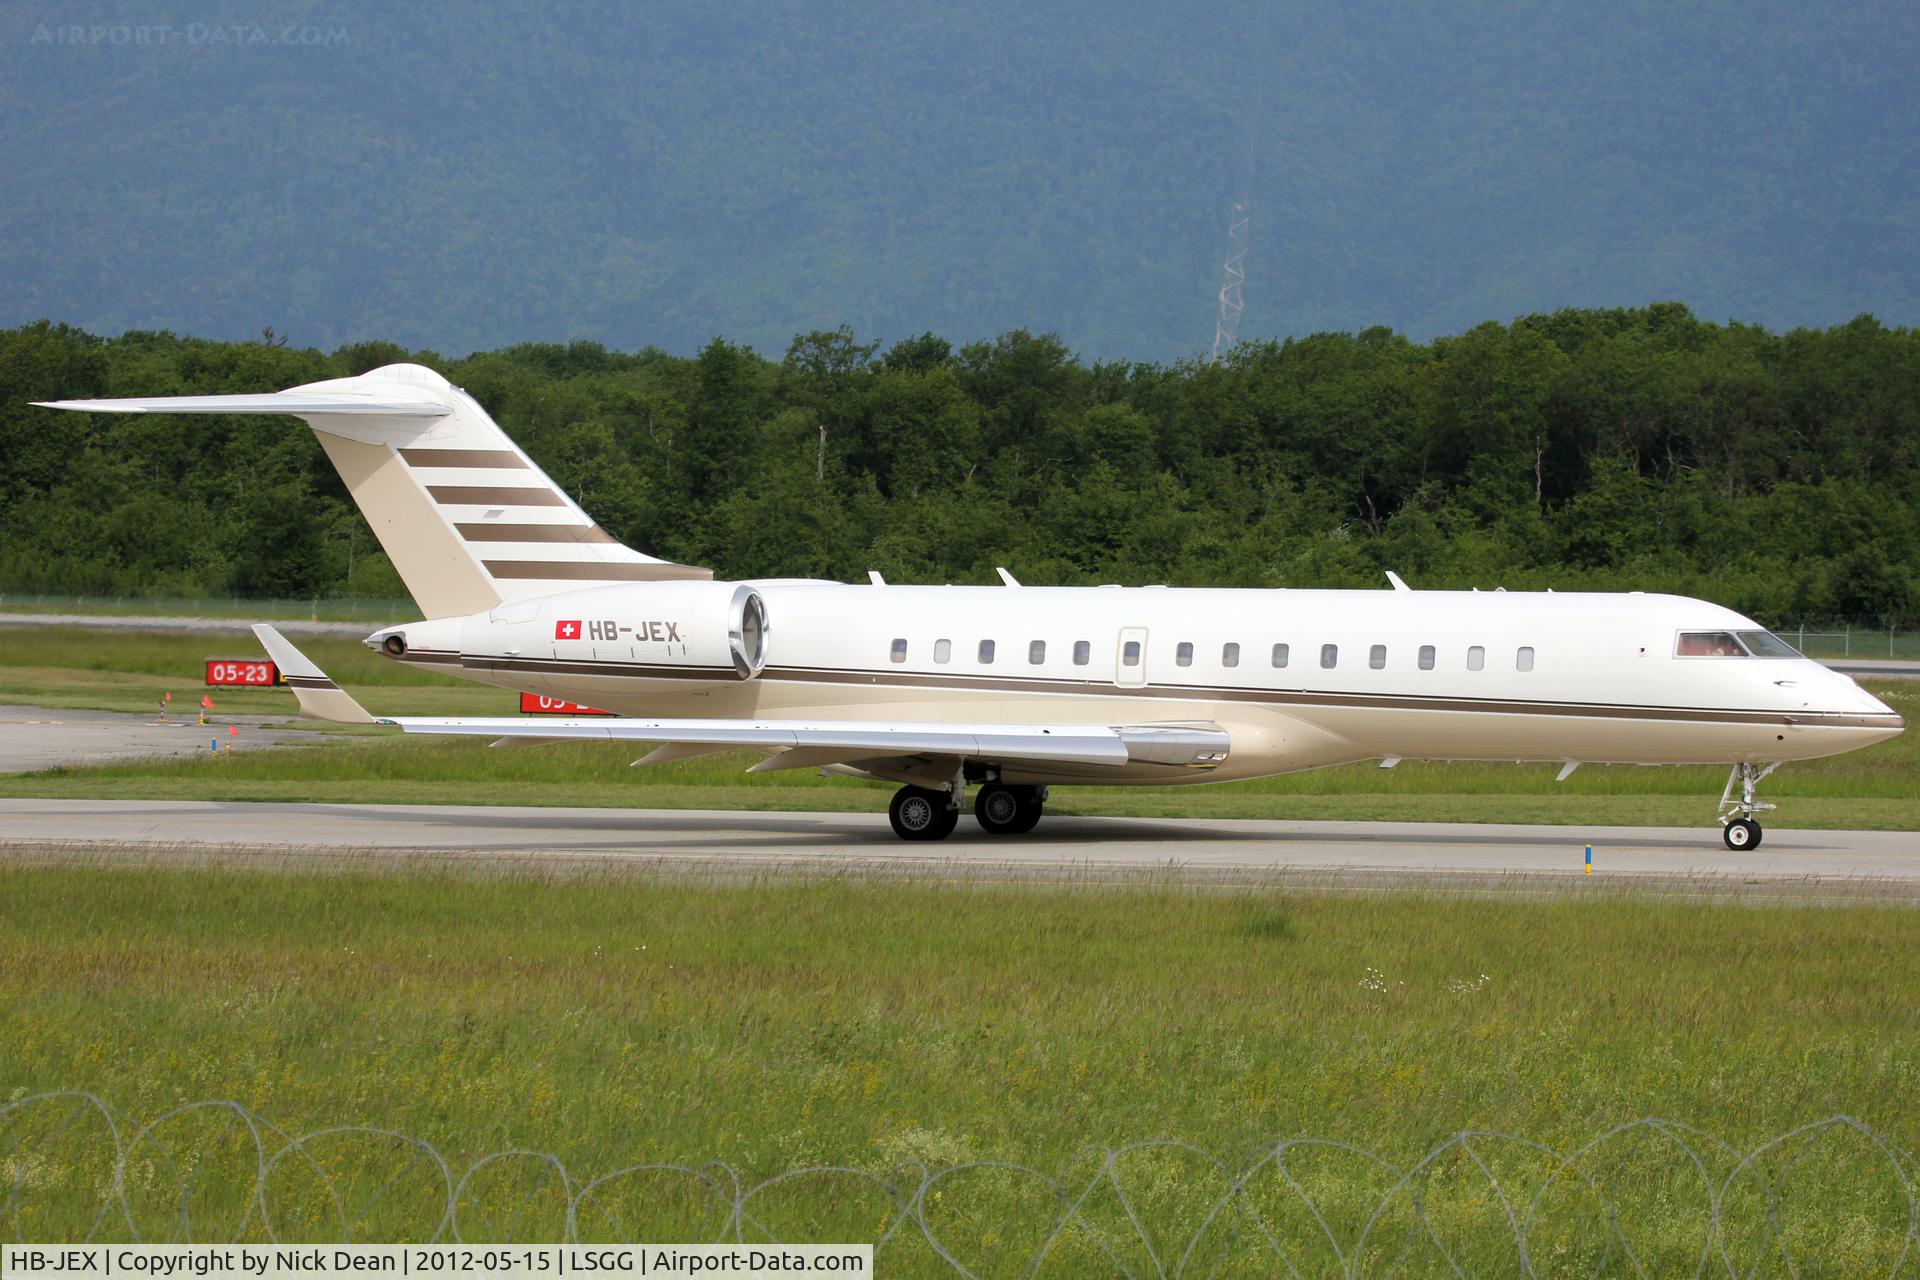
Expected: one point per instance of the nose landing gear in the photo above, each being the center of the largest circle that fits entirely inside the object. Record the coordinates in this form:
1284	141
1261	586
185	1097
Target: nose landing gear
1737	826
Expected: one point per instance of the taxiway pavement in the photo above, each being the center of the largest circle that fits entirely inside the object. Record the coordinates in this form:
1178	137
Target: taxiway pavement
1790	862
33	738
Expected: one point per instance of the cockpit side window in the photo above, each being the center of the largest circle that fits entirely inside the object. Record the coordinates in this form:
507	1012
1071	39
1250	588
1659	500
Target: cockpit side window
1708	644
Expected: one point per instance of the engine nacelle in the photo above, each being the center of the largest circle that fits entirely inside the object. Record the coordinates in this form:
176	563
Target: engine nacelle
702	626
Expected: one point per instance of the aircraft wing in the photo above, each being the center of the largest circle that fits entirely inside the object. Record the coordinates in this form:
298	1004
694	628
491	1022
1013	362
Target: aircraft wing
849	740
821	741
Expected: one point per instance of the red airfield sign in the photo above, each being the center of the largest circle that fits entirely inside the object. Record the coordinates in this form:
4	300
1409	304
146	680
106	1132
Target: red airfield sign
240	671
534	704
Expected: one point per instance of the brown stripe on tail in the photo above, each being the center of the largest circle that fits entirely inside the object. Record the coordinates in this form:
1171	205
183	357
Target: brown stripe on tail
594	571
587	533
500	459
492	496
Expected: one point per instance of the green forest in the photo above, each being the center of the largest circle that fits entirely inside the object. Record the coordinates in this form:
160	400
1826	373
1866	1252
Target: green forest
1601	449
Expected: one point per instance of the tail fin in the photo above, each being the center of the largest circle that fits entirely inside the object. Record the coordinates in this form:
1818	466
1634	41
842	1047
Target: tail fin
467	519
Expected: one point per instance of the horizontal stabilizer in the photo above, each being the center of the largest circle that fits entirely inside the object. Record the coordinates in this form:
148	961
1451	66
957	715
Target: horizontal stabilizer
319	697
275	402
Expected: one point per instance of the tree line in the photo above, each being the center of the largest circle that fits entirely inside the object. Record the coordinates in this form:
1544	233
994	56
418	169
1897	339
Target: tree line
1616	449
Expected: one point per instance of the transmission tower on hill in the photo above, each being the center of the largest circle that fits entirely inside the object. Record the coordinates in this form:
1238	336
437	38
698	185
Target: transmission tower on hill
1226	331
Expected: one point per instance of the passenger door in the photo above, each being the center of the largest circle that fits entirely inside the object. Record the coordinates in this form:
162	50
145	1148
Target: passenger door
1130	658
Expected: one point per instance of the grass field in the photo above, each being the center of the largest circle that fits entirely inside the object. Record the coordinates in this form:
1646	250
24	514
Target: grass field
614	1021
1878	788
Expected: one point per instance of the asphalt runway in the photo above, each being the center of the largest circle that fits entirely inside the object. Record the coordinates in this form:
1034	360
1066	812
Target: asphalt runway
1549	858
33	738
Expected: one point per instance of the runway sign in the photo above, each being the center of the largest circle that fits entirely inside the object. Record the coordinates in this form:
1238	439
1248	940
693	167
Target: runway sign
533	704
241	671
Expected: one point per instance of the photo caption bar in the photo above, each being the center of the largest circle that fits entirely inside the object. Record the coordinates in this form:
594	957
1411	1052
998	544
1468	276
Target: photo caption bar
428	1262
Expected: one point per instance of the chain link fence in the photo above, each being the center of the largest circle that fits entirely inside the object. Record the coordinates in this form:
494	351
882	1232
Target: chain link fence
1843	640
314	609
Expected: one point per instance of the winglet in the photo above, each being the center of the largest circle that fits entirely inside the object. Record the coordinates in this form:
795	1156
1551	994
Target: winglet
1398	583
1005	576
319	697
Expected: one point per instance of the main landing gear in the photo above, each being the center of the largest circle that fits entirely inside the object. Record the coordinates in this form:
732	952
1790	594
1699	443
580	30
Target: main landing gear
1008	811
931	813
1737	825
921	813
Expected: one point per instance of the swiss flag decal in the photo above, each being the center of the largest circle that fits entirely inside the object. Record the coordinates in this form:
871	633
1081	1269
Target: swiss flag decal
567	630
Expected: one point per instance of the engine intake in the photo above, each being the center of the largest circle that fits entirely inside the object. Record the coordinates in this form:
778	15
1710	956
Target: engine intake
747	632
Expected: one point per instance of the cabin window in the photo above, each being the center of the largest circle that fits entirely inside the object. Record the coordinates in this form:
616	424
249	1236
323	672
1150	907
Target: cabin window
942	650
1329	656
1279	655
1183	654
986	653
899	653
1524	659
1037	652
1130	654
1426	657
1377	657
1229	655
1082	653
1476	657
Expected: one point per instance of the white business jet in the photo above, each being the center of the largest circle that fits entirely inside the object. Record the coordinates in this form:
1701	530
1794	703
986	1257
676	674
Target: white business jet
1011	689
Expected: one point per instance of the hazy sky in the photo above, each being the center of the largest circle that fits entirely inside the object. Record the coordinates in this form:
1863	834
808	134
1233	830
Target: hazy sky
665	174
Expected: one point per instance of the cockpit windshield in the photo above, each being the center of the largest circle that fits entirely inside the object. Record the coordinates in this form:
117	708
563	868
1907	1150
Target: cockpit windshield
1765	644
1733	644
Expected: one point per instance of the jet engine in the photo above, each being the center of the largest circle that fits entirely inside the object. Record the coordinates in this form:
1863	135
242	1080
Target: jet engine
702	626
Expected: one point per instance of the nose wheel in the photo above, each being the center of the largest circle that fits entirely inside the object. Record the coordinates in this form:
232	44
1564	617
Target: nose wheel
1738	829
920	813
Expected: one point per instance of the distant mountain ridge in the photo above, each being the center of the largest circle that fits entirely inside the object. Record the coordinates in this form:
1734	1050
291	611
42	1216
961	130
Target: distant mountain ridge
659	175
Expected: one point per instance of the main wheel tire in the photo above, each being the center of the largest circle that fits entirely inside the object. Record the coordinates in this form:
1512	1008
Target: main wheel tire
998	809
1029	815
918	813
1741	835
1006	811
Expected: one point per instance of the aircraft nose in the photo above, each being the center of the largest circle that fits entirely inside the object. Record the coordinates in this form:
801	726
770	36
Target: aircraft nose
1881	720
1895	721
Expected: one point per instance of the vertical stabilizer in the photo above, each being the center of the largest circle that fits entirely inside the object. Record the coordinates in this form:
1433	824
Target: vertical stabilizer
466	517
